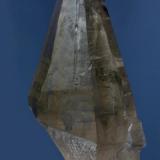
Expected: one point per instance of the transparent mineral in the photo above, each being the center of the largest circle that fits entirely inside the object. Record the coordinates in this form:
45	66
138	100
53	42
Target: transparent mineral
80	92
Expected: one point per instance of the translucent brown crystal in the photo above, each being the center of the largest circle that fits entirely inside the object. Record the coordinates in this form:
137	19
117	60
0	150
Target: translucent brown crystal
80	92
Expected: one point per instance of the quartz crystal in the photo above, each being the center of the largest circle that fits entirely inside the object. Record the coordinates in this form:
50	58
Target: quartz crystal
80	92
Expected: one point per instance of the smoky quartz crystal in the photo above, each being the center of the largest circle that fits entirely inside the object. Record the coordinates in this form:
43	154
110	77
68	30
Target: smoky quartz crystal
80	92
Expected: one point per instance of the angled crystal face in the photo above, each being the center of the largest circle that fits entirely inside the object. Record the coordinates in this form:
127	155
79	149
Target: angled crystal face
73	147
80	92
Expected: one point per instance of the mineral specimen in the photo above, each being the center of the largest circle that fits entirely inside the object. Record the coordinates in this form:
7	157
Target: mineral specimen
80	92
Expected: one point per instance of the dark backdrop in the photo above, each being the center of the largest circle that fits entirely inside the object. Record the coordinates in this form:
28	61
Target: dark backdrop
23	26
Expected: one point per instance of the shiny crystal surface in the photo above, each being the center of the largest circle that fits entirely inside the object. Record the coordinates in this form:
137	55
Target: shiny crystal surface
80	92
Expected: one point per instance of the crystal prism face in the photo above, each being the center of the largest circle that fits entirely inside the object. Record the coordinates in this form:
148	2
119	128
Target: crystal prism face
80	92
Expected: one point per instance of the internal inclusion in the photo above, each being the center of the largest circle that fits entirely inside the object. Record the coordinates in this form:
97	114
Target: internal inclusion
80	92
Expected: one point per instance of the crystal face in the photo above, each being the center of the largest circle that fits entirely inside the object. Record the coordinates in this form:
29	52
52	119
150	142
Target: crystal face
80	92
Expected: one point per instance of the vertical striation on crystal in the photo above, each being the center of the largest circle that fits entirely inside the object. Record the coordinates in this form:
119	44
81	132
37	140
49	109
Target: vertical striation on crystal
80	92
